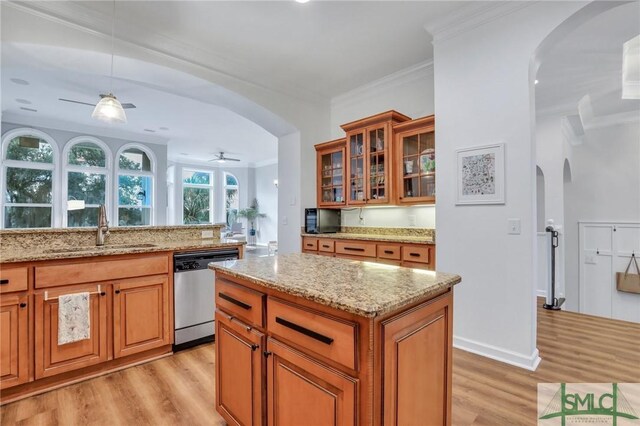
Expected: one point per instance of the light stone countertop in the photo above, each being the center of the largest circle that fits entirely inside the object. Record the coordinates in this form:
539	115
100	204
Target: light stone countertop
407	239
362	288
36	253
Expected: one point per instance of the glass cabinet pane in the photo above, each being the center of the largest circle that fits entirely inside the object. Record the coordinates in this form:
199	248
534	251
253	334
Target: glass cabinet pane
356	167
377	164
331	177
418	165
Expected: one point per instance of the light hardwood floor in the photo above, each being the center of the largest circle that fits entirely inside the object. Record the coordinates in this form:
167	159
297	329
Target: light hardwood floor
179	390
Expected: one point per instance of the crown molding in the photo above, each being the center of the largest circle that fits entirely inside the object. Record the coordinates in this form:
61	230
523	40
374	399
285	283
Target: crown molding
76	16
403	76
472	16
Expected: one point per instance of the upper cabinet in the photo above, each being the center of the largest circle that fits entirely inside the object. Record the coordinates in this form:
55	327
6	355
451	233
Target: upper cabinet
331	173
415	161
387	158
369	158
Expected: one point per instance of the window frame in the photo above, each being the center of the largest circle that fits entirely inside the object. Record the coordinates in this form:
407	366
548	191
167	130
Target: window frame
54	167
66	168
210	187
225	187
123	172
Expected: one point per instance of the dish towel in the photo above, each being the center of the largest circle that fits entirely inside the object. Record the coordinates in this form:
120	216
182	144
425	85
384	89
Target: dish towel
73	318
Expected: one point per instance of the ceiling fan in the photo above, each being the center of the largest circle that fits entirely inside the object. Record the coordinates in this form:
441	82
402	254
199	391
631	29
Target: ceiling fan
220	158
102	95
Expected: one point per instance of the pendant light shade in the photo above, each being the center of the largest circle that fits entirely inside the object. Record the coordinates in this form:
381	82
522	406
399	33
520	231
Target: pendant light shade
109	110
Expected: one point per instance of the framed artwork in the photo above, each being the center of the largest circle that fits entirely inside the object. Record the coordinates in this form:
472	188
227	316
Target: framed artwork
480	175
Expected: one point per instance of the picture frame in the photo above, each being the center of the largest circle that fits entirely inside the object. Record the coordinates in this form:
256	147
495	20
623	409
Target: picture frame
480	175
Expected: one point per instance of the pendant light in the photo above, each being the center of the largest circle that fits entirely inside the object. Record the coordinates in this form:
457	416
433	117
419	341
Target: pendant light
109	109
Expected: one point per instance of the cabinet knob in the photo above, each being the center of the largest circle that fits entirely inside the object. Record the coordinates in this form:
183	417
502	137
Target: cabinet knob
254	347
23	305
267	354
102	293
117	291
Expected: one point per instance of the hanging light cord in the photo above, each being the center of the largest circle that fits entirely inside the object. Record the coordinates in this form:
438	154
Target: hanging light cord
113	24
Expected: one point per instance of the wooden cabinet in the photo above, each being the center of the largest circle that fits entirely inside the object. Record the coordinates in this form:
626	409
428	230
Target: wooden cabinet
14	340
417	361
331	173
301	391
13	279
140	315
369	158
240	371
53	358
415	161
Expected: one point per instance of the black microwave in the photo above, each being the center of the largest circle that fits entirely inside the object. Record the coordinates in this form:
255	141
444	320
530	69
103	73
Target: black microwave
321	221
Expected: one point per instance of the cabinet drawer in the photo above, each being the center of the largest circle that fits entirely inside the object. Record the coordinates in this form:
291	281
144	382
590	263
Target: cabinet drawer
13	279
386	251
326	245
309	243
240	301
104	270
330	337
416	254
356	248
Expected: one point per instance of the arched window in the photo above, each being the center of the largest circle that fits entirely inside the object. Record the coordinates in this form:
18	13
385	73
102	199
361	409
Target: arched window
231	198
29	159
136	172
87	163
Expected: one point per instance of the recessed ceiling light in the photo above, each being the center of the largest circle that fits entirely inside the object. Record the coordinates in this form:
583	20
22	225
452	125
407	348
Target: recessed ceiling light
20	81
28	109
536	82
149	130
163	128
302	1
23	101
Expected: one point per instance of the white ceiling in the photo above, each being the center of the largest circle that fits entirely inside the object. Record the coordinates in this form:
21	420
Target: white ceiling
589	62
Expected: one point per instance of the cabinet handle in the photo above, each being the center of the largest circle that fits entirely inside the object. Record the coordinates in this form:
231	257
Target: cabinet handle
325	246
414	254
234	301
388	252
300	329
354	248
309	245
5	281
23	305
117	291
102	293
254	347
266	354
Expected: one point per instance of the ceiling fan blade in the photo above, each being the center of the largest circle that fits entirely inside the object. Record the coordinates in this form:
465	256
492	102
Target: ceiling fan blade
128	106
231	159
76	102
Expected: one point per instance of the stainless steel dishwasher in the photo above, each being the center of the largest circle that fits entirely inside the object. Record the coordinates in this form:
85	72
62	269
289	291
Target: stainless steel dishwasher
194	295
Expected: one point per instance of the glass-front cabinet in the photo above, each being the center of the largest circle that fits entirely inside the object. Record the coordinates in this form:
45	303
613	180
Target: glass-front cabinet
369	158
416	161
331	174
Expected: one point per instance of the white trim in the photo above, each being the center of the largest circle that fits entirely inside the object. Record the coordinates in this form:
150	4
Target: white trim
541	293
528	362
66	168
54	167
152	174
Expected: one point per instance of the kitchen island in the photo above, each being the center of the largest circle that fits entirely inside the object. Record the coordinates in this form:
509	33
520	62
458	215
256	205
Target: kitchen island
313	340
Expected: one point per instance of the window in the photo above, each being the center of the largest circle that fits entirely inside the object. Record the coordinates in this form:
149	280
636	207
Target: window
135	186
231	198
28	170
87	162
197	197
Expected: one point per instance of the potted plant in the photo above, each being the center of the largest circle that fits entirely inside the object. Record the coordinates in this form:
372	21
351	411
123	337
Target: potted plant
251	213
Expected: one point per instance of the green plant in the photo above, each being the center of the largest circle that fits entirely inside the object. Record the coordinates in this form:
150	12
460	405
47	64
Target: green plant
251	213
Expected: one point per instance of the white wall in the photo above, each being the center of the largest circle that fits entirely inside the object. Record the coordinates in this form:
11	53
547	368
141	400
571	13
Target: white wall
267	195
484	94
605	186
401	217
62	137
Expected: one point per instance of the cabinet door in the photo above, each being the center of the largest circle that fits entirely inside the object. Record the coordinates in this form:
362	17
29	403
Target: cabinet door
356	163
378	163
240	375
14	341
140	315
52	358
417	365
416	166
302	391
331	178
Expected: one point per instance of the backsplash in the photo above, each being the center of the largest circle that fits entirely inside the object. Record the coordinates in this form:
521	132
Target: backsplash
385	217
25	239
428	233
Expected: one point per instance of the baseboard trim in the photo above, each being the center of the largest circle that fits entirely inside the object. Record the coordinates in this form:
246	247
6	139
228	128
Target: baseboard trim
498	354
541	293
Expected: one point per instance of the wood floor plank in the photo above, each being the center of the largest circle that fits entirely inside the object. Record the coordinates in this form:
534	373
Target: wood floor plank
180	390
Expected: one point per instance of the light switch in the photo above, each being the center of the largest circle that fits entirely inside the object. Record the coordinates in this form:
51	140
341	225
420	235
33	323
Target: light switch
514	226
292	200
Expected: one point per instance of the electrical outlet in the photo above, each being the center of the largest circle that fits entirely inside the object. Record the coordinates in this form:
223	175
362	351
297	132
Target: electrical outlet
514	226
412	220
207	234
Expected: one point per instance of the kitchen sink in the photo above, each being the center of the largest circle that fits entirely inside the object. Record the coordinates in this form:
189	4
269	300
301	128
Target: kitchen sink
99	248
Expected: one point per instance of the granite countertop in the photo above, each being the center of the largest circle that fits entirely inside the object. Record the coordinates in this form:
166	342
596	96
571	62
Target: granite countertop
362	288
12	256
409	239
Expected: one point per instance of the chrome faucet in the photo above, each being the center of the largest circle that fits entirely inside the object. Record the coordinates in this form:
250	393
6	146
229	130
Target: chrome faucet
103	226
